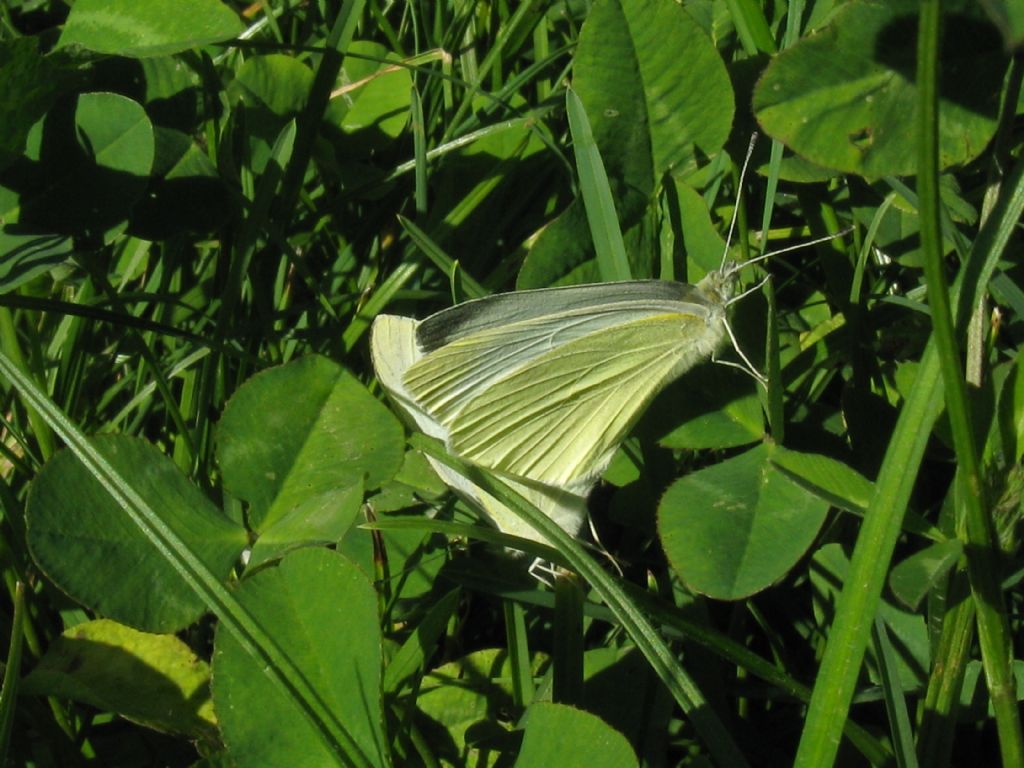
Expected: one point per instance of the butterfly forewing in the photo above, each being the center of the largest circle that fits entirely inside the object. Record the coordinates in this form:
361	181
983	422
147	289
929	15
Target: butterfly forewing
503	309
448	378
558	420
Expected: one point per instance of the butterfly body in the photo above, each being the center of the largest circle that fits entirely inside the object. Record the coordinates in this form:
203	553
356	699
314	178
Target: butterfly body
542	386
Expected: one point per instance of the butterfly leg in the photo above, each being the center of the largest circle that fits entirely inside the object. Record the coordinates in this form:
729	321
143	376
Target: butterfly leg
747	367
543	571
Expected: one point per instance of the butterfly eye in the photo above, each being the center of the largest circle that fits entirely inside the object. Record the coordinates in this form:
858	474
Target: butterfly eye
729	283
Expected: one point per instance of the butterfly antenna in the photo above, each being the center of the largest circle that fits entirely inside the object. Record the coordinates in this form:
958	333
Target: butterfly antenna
798	246
740	265
765	256
736	209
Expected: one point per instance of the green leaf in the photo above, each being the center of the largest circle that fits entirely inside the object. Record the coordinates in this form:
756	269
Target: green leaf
704	245
912	579
828	573
709	407
838	484
269	91
655	88
414	553
570	738
563	253
634	621
299	458
156	680
234	618
621	688
372	98
612	263
12	682
895	700
414	483
1008	16
975	703
321	520
736	527
844	96
1009	423
658	98
275	82
466	694
496	184
173	96
85	165
83	541
141	28
410	660
322	611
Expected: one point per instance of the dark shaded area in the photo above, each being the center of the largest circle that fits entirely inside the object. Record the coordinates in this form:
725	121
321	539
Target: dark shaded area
65	191
971	56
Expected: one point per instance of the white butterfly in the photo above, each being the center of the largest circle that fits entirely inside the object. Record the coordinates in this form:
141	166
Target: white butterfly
540	387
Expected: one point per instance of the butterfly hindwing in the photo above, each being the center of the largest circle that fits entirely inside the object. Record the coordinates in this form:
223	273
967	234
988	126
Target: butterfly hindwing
393	349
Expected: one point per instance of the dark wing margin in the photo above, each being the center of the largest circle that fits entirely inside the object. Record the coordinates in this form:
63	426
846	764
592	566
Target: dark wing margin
502	309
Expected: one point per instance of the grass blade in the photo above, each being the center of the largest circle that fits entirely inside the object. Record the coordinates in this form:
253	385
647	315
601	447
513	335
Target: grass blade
837	675
215	595
612	262
895	703
982	548
12	671
717	738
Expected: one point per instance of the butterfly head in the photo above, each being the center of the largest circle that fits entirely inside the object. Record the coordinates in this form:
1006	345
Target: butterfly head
720	284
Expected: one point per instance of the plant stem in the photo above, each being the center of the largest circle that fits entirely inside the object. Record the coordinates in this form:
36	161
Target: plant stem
982	553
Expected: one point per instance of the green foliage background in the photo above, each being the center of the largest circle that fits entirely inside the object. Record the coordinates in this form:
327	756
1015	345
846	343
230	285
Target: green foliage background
219	546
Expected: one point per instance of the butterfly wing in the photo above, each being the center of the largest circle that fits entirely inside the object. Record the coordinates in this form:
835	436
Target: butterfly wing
504	309
393	350
558	419
541	386
481	348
